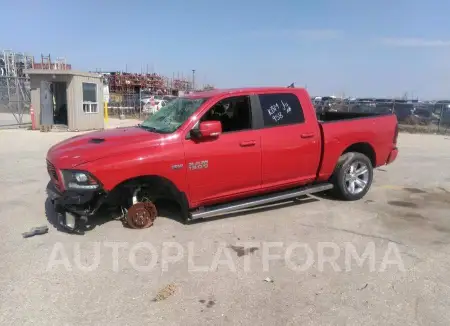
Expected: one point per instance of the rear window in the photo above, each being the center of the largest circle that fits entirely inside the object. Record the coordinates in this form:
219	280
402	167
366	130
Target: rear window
281	109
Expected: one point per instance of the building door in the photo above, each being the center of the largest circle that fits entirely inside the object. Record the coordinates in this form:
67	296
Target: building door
46	104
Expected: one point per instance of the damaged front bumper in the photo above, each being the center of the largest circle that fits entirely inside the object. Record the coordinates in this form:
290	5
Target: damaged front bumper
74	207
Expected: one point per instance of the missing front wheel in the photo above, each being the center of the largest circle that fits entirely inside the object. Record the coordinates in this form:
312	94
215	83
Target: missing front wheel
141	215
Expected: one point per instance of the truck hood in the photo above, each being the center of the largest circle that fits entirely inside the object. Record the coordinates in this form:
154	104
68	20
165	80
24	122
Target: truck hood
98	144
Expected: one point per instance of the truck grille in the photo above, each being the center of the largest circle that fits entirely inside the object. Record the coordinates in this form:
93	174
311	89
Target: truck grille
52	171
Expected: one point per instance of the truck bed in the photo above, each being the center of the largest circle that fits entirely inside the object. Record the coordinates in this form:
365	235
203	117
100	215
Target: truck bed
353	131
337	116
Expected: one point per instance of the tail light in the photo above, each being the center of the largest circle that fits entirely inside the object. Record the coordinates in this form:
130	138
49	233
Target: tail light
396	134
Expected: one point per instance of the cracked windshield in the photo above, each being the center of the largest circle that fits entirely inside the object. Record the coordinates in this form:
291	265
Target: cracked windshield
170	117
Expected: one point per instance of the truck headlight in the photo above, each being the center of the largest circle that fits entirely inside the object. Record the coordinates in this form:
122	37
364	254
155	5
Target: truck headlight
79	180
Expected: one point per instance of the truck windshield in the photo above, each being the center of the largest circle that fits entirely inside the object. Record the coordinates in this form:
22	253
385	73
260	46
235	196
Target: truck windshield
171	116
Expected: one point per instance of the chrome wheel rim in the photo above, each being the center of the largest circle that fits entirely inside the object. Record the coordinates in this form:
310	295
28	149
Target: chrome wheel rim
356	177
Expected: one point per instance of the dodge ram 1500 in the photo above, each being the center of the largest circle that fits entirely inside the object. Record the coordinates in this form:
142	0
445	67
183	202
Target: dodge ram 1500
219	151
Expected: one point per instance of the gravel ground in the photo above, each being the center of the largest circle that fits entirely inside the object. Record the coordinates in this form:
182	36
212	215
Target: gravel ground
197	274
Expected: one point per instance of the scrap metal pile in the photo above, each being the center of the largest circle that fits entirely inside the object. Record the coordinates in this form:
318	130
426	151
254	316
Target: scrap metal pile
126	83
130	83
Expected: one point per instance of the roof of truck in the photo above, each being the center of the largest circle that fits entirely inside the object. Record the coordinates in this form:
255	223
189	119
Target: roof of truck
216	92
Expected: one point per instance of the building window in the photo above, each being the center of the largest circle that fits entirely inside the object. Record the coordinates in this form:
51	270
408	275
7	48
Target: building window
90	104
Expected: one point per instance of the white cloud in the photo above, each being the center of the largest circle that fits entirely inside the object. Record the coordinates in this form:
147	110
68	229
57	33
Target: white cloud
300	34
414	42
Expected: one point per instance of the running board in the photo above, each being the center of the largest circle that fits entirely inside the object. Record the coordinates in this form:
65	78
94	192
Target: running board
259	200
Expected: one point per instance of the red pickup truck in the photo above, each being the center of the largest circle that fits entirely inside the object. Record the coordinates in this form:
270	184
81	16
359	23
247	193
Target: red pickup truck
219	151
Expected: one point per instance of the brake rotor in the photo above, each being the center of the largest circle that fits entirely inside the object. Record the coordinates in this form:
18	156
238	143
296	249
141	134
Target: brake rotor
141	215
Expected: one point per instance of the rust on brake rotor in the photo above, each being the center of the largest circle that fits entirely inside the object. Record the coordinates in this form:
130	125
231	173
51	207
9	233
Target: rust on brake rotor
141	215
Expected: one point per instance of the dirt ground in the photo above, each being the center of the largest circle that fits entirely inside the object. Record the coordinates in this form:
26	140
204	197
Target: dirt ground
197	274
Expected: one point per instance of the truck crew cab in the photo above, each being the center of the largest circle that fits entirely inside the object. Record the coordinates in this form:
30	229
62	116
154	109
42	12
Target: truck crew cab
219	151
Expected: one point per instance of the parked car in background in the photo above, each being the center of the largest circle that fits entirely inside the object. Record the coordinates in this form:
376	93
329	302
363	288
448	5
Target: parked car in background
442	111
362	105
324	104
169	98
148	98
403	110
423	113
153	106
368	101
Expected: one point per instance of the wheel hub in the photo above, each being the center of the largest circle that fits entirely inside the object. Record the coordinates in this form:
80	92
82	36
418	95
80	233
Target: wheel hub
141	215
356	177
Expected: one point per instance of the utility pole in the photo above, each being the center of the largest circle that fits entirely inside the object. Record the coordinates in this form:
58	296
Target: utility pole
193	79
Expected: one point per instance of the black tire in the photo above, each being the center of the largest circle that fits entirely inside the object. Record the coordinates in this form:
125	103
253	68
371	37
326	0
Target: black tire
341	189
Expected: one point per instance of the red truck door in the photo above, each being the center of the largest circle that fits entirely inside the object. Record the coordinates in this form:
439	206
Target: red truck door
290	140
229	165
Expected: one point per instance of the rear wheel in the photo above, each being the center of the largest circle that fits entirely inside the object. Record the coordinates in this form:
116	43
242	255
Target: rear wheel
353	176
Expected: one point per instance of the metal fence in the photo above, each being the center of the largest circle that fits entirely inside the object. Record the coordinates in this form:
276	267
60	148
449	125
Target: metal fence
420	117
14	101
125	106
414	117
132	106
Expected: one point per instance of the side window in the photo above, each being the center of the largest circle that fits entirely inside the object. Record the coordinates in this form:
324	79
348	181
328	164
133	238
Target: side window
281	109
90	104
234	113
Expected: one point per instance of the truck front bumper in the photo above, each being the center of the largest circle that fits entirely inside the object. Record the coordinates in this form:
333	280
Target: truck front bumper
74	206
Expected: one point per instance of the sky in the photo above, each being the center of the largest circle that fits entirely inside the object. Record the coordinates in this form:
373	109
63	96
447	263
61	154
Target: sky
346	47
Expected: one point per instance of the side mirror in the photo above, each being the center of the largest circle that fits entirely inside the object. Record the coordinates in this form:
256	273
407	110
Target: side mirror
208	129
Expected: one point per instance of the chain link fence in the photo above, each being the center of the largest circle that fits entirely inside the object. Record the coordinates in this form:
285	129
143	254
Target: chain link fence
14	101
412	117
135	106
124	106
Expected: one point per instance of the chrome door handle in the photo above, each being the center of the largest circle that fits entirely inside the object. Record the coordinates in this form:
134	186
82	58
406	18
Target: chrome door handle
248	143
